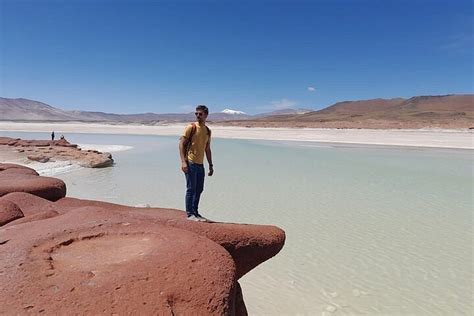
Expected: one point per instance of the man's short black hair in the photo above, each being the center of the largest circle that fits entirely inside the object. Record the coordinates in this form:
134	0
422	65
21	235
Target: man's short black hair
203	108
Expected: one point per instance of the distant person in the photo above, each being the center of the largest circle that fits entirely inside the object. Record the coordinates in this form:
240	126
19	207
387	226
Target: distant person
195	141
52	135
62	137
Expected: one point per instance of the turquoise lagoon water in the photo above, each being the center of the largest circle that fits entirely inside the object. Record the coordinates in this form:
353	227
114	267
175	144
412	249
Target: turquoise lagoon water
370	230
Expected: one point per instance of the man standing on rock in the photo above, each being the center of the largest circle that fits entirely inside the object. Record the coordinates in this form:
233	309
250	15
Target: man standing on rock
195	141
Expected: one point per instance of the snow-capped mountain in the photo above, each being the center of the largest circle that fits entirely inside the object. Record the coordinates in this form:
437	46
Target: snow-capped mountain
228	115
233	112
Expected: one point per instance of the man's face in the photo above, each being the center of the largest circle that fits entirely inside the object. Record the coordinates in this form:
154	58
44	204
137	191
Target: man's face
200	116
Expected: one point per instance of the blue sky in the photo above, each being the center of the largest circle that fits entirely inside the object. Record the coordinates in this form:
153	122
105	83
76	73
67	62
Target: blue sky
254	56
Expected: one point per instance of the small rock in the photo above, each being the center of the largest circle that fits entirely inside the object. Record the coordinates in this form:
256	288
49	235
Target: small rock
38	158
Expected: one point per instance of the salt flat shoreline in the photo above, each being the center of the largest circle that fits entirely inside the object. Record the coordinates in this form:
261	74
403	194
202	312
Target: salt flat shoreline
434	138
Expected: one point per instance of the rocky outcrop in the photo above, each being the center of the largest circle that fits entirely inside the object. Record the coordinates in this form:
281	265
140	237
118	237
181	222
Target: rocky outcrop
71	255
44	151
16	178
9	211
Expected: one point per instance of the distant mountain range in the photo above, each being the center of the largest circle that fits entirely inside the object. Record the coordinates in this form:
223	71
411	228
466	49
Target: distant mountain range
284	112
30	110
447	111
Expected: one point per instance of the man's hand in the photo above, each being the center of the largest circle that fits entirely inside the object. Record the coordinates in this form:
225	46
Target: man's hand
184	167
211	171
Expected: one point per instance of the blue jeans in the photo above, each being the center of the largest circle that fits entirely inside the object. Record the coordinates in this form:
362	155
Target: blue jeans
194	187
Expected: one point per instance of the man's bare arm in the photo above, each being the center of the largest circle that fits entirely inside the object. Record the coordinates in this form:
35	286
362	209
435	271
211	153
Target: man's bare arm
182	154
209	159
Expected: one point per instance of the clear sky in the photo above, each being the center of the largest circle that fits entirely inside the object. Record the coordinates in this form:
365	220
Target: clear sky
254	56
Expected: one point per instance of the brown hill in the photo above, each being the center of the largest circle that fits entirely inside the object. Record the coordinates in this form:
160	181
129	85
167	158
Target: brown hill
440	103
31	110
448	111
362	106
24	109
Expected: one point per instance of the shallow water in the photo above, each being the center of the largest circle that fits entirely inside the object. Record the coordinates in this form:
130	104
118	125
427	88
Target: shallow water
370	230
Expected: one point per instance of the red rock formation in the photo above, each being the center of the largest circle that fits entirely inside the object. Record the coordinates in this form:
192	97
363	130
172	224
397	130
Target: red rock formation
90	257
7	166
26	181
46	150
9	211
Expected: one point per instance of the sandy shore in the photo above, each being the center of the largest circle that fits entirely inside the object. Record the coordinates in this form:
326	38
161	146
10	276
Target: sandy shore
462	139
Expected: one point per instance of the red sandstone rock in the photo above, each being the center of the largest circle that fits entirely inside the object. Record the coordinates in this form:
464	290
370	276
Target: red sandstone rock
9	211
91	257
30	143
19	171
7	140
30	204
45	214
6	166
39	158
48	188
249	245
45	150
64	143
90	262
